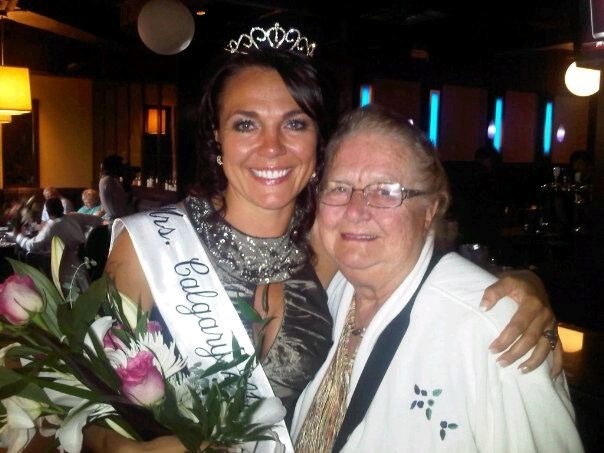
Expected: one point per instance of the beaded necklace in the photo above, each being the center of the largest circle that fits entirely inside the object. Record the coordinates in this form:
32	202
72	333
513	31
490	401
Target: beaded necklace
323	421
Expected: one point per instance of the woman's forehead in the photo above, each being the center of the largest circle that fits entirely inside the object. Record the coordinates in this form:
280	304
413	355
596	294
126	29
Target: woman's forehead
371	152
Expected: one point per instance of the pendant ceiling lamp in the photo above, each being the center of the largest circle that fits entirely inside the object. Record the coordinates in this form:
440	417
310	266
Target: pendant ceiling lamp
15	91
582	81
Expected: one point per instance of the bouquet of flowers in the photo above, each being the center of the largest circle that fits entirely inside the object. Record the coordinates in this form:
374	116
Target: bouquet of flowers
68	360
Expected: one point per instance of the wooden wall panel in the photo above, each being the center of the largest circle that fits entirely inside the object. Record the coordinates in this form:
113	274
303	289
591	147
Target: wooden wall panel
520	113
399	95
572	112
463	122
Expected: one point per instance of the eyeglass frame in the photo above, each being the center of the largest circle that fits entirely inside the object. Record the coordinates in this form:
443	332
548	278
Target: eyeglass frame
406	193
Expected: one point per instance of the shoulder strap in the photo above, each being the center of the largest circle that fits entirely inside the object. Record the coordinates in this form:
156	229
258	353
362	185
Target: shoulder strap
377	364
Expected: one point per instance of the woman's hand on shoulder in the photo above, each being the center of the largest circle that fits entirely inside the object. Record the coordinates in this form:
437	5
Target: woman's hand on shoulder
525	329
124	268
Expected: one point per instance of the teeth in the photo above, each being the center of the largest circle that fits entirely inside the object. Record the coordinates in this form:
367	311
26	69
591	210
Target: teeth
270	174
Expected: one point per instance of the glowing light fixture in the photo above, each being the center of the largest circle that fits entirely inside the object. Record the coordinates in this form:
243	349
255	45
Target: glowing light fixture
154	122
572	340
366	95
547	128
15	92
491	130
560	133
582	81
434	107
498	122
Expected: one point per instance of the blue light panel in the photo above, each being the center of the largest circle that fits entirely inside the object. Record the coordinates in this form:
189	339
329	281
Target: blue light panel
365	95
434	106
547	128
498	124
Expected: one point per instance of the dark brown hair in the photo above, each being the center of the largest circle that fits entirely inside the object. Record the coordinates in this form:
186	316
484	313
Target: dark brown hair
303	83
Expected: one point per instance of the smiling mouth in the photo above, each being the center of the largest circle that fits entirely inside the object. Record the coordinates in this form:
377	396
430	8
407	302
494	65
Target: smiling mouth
271	174
358	237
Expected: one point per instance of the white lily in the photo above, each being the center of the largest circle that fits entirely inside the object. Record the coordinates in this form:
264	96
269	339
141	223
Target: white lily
130	309
269	411
57	248
70	432
99	327
20	426
60	398
183	397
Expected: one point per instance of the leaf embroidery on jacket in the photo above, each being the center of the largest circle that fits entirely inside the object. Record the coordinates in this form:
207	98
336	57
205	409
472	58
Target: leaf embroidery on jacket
427	402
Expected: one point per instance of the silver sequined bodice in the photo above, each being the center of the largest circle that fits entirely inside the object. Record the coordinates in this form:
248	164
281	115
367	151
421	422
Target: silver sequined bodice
252	259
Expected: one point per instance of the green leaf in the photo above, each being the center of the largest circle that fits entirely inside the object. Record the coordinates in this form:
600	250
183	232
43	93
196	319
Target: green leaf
85	309
452	426
246	311
223	365
8	376
429	413
436	392
23	351
170	416
34	392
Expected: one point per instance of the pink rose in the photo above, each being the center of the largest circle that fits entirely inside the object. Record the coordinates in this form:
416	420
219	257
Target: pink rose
19	299
142	382
112	341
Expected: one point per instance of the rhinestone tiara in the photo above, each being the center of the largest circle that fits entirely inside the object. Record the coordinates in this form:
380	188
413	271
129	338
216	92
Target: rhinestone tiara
275	37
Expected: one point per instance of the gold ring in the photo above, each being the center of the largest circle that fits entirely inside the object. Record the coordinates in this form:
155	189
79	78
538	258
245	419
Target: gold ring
551	335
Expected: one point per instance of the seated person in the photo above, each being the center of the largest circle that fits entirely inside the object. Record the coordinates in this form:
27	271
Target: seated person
66	228
52	192
91	203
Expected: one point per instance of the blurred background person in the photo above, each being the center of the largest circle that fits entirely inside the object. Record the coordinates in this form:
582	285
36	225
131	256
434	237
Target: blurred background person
115	200
91	203
52	192
58	224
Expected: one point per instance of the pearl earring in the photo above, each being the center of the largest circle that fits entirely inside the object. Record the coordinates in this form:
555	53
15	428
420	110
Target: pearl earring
219	160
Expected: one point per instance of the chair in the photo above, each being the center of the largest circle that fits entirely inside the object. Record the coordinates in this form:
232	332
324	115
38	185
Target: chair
96	248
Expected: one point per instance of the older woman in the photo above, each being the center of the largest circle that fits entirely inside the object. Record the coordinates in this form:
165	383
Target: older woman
409	369
91	203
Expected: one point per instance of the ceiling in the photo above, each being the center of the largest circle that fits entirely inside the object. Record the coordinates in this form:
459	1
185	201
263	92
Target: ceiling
442	31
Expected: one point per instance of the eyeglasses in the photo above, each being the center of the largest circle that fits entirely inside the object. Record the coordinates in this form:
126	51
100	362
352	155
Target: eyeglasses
379	195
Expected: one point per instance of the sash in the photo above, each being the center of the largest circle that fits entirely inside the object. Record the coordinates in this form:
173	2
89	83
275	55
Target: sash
190	297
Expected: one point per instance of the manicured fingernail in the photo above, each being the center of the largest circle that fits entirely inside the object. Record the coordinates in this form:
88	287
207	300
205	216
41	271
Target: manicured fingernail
525	369
483	305
503	363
